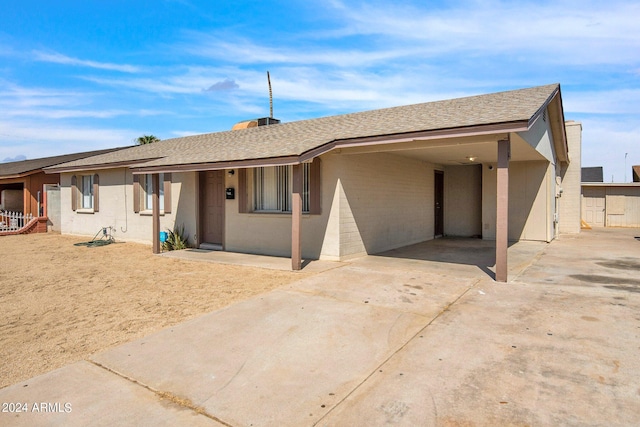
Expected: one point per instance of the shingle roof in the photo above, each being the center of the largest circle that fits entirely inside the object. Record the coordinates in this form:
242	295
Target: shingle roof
296	138
24	167
591	174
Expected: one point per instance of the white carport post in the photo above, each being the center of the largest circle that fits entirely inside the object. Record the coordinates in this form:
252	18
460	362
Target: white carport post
155	201
502	209
296	218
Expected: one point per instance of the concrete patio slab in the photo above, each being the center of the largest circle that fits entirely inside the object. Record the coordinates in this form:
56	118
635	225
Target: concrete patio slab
510	355
83	394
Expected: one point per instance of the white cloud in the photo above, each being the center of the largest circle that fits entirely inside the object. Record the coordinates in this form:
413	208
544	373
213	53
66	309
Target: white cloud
59	58
37	139
605	142
562	32
616	101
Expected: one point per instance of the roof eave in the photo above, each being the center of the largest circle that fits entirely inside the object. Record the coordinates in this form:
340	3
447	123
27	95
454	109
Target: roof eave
499	129
21	174
554	106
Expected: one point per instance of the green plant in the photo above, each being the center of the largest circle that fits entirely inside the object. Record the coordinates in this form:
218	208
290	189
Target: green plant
176	239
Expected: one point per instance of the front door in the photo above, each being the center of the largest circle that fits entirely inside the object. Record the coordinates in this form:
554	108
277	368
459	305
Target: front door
439	204
212	198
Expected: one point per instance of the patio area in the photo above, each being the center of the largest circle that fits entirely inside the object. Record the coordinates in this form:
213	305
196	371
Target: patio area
465	257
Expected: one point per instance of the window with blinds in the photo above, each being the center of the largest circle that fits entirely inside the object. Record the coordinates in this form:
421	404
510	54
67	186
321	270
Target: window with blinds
272	188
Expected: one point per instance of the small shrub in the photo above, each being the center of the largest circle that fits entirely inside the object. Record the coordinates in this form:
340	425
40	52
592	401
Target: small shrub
176	239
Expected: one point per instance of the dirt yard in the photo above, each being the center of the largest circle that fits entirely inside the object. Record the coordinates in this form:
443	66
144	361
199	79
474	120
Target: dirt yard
60	303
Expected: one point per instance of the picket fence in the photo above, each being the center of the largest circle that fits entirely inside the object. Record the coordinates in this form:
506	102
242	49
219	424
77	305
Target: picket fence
13	221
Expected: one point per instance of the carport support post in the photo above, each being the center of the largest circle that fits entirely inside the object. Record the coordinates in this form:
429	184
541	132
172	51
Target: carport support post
296	218
502	209
155	201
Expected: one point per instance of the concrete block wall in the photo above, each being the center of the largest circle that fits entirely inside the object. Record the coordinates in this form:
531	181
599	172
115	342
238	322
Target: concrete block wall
529	205
385	202
570	174
270	233
463	200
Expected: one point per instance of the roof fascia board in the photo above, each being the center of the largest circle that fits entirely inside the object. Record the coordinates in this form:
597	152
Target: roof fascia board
114	165
21	175
558	127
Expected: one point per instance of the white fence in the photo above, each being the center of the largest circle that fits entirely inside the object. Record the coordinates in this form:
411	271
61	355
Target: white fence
13	221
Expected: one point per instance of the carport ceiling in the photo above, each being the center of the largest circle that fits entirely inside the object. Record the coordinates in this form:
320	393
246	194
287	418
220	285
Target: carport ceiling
453	151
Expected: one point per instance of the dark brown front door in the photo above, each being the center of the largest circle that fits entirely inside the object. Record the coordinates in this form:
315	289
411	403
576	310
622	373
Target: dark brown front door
439	204
212	198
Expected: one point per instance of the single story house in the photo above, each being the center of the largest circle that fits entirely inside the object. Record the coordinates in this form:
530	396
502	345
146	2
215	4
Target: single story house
22	183
495	166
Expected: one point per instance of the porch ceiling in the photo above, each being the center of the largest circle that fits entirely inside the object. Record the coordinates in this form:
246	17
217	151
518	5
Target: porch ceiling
454	151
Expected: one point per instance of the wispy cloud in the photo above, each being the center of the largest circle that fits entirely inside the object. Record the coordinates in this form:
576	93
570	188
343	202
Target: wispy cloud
59	58
40	139
583	33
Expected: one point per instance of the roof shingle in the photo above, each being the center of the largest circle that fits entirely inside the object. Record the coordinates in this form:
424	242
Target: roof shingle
296	138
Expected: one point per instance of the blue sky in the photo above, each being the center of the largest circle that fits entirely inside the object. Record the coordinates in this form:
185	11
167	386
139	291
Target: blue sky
83	75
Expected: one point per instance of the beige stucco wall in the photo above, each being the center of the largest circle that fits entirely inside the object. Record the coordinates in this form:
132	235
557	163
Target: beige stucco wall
569	202
370	203
463	200
379	201
618	205
116	207
530	204
270	233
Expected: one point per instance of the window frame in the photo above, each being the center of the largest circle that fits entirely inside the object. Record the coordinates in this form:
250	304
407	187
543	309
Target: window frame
143	192
85	193
279	190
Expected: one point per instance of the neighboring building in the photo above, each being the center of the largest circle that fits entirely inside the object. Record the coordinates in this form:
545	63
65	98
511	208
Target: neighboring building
495	166
636	173
23	184
611	204
592	174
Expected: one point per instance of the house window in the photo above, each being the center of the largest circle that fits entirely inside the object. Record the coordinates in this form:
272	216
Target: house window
86	190
84	193
143	193
272	188
148	192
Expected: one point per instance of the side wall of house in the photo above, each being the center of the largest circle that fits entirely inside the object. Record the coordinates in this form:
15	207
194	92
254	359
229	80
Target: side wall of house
570	201
530	203
463	200
116	207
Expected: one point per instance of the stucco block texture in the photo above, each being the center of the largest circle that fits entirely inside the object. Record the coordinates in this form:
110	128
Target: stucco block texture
569	203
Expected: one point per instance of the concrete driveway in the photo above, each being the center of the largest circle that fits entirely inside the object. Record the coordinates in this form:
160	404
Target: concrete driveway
384	340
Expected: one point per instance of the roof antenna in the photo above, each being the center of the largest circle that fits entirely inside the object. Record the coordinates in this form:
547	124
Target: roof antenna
270	97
